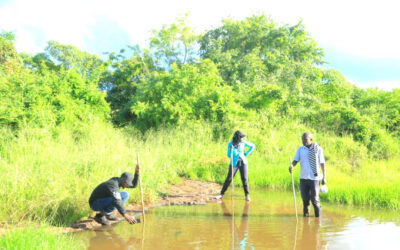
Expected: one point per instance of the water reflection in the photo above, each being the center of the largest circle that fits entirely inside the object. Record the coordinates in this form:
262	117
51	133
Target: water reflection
240	235
310	234
270	223
106	238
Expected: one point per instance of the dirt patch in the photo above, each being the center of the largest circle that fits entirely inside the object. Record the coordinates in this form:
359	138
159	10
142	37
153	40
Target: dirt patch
189	192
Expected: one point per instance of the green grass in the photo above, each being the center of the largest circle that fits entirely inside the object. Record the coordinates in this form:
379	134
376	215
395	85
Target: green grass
40	238
48	175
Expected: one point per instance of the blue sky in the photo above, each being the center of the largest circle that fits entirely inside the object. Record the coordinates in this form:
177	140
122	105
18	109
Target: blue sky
360	38
383	73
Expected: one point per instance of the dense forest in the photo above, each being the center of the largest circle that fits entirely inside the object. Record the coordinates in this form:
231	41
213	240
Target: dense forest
240	69
71	116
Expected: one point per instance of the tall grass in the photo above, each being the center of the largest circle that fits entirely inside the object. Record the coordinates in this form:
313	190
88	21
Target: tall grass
49	176
39	237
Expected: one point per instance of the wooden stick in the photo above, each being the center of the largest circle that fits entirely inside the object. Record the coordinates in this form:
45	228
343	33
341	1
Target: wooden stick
233	204
142	241
295	236
232	168
140	186
294	193
233	224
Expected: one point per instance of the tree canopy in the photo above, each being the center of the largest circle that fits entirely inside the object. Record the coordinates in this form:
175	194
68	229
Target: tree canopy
231	72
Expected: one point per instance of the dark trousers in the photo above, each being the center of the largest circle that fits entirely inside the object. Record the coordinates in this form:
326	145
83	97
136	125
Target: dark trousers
310	191
243	174
106	205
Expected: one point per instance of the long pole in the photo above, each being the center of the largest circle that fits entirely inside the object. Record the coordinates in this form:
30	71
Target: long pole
294	193
233	205
232	169
140	185
142	241
233	223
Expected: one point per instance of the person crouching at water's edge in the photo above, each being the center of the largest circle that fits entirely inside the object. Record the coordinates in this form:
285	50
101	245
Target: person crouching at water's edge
238	145
311	157
106	197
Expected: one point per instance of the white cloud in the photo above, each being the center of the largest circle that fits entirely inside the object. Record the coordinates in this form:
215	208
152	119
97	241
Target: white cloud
360	27
382	85
366	28
65	22
26	40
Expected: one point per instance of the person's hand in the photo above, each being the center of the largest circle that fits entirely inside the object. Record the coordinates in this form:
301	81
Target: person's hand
137	169
131	220
324	181
290	168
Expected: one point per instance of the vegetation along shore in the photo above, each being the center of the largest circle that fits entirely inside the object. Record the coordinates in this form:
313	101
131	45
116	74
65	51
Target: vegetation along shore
70	120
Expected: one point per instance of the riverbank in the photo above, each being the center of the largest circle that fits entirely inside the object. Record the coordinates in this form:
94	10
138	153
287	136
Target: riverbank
188	192
48	177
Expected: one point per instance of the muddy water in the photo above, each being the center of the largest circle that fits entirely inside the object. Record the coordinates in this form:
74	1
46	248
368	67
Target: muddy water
267	222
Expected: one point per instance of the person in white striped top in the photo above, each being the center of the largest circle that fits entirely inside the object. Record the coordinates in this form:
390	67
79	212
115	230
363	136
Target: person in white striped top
312	161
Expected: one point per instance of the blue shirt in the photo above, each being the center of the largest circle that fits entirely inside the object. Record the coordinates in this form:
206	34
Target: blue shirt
239	151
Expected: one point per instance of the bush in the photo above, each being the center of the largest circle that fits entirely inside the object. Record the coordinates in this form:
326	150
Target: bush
382	145
48	99
342	120
187	92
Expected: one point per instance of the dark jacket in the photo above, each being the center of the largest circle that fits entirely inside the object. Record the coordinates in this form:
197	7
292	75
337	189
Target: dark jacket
110	188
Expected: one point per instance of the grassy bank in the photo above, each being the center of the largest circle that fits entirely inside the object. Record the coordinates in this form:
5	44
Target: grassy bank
38	237
48	176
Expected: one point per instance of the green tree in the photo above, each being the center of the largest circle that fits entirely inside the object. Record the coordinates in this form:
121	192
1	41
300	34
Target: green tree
88	65
39	62
9	59
122	80
174	43
38	95
256	47
382	106
49	99
187	92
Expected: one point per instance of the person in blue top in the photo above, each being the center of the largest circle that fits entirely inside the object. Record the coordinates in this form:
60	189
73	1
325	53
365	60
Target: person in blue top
238	145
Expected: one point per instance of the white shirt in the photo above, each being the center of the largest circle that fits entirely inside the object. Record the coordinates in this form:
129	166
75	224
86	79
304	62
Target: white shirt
306	171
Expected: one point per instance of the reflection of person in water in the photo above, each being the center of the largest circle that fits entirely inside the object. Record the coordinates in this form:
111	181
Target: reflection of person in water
310	235
108	239
241	233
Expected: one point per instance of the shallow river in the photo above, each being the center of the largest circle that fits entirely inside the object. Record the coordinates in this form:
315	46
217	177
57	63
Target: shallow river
267	222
